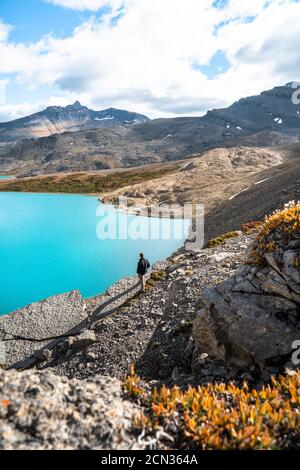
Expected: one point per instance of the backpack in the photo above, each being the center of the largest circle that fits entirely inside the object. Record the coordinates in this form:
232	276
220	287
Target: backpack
143	265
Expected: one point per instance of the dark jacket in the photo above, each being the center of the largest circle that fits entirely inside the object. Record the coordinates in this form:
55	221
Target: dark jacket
143	266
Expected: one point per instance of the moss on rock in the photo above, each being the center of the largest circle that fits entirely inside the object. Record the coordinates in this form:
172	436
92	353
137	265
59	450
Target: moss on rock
222	239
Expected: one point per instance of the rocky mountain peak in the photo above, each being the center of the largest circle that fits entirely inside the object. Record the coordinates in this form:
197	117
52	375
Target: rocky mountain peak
72	118
76	106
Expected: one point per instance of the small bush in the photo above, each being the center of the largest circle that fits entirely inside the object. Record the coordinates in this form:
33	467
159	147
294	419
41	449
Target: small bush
150	283
251	227
297	263
158	275
277	231
222	239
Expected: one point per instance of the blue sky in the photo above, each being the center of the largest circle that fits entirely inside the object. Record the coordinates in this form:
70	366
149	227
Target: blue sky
218	64
162	58
32	19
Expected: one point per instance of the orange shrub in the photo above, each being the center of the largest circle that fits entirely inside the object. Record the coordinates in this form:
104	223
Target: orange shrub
277	230
219	416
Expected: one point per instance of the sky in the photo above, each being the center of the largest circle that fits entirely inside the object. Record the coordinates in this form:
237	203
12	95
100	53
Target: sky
162	58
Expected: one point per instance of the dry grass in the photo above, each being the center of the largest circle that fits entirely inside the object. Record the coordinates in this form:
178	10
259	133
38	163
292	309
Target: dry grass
86	183
251	227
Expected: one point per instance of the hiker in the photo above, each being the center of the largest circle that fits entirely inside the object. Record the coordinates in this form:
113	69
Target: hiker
142	268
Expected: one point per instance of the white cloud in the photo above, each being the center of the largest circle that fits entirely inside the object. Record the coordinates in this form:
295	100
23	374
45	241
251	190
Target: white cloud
2	91
245	8
82	5
14	111
146	60
4	31
260	56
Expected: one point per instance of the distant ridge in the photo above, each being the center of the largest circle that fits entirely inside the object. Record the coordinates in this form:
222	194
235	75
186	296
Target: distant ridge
72	118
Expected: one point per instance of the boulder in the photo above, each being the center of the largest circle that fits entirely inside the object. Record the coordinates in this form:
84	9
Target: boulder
32	330
189	166
85	339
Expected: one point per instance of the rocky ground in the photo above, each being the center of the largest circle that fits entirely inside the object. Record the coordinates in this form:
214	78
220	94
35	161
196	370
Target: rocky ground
153	330
252	319
40	411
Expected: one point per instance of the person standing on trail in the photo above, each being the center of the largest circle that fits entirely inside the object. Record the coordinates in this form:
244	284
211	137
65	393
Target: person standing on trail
142	268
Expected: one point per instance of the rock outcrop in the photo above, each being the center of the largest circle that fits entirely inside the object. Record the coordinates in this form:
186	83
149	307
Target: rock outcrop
253	318
59	325
31	332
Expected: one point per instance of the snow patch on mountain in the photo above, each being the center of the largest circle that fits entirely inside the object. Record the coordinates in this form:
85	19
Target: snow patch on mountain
106	118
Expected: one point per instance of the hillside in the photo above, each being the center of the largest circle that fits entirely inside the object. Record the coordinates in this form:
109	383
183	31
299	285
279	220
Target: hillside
236	185
279	185
210	178
267	120
225	180
97	182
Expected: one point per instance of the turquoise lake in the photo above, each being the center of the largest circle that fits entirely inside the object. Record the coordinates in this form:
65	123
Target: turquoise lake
49	245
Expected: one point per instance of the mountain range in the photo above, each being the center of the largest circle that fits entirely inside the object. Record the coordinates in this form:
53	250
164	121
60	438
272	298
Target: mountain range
270	119
72	118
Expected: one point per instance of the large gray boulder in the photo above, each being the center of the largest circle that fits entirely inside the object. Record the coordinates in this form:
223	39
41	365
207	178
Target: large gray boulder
29	331
254	317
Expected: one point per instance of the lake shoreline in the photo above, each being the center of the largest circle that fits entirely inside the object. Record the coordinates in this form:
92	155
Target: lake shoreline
155	211
70	261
